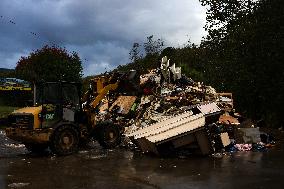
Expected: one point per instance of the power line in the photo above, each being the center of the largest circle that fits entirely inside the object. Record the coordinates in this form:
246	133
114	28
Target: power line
32	33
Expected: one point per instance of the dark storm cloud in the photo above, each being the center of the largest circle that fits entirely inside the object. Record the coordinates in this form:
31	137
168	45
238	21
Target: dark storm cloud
102	31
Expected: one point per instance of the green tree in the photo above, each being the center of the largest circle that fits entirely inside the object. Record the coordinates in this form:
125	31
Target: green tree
152	46
50	64
244	51
135	53
141	62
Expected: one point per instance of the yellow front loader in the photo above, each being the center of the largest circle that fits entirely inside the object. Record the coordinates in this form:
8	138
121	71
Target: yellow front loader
62	119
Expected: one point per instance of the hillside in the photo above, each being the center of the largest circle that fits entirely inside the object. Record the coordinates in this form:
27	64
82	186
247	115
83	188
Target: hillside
5	72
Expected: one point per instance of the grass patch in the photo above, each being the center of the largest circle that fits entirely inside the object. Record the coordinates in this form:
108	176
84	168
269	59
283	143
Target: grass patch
4	112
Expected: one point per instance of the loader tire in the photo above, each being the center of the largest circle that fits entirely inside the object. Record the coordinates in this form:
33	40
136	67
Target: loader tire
65	140
108	135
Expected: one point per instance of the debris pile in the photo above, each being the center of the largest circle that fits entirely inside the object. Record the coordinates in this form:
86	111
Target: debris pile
170	113
174	113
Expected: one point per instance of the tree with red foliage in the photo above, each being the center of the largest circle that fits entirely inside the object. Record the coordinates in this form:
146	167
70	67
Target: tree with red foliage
50	64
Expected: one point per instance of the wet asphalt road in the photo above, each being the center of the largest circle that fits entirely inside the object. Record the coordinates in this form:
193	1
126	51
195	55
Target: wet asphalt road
99	168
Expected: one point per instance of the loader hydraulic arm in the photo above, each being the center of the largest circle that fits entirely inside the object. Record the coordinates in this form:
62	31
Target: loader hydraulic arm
102	93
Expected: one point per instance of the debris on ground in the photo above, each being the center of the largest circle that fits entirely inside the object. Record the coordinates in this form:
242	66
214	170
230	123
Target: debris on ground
243	147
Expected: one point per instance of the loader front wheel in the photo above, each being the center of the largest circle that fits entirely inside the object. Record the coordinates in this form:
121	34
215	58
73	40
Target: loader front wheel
108	135
65	140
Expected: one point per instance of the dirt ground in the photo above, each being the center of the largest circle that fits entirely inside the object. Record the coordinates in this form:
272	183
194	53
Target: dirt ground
98	168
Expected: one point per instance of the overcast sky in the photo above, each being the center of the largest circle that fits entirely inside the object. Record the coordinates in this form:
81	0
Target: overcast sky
101	31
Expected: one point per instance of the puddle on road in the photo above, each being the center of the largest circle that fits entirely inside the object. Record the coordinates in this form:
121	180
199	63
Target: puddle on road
10	148
15	145
18	185
98	156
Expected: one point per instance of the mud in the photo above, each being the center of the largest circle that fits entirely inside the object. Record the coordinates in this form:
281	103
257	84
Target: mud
98	168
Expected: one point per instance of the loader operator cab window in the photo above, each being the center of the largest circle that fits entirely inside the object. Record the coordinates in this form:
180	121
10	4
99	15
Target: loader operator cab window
65	94
51	93
48	93
70	95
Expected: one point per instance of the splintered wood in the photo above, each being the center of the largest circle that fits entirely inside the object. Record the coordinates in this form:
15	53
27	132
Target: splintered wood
124	103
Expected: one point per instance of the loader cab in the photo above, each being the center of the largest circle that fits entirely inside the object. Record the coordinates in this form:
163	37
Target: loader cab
60	102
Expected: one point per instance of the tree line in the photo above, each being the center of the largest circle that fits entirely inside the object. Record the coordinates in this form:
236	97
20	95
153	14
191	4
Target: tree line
242	53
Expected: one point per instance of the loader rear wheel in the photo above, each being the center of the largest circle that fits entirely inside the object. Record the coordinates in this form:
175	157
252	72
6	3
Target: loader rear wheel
65	140
108	135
